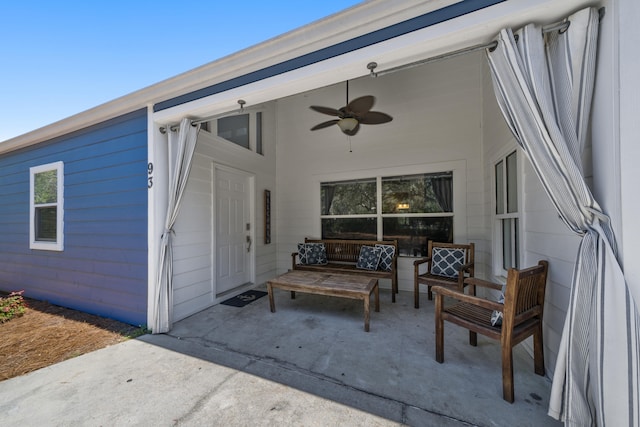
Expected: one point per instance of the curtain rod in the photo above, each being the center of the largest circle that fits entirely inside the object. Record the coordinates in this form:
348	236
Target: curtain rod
173	128
561	26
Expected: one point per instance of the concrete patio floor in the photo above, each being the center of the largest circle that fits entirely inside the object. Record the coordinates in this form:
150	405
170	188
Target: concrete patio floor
317	345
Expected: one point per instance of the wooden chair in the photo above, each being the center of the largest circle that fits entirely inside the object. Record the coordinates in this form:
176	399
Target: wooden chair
522	316
433	277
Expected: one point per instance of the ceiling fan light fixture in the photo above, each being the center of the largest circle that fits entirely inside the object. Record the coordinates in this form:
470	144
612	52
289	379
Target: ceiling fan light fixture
347	124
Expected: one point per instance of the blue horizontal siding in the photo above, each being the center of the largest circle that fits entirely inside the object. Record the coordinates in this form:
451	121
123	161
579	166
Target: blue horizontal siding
103	268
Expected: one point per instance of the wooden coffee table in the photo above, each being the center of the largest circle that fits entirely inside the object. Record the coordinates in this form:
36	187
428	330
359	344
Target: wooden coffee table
337	285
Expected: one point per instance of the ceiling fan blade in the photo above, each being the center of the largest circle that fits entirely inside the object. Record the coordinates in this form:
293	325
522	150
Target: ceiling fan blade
325	124
362	105
325	110
352	131
374	118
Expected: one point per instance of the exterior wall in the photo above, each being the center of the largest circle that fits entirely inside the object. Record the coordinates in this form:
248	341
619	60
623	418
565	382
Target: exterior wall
543	234
103	268
615	131
436	113
194	264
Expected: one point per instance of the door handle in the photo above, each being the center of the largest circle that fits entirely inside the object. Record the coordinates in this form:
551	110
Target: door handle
248	243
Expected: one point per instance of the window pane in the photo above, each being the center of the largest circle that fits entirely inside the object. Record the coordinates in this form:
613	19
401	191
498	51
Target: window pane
259	132
510	253
46	223
512	183
499	188
45	187
412	234
424	193
235	129
350	228
348	197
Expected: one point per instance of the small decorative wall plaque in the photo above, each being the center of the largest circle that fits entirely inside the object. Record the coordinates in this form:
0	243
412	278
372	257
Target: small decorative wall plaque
267	217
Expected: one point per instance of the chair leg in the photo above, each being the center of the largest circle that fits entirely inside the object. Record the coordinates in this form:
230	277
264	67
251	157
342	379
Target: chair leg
473	338
439	330
416	294
429	293
538	351
394	288
507	374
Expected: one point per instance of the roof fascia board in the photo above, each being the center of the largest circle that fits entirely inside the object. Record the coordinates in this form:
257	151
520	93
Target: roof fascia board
383	34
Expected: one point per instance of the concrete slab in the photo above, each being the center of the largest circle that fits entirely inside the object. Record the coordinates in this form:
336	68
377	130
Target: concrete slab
309	363
141	384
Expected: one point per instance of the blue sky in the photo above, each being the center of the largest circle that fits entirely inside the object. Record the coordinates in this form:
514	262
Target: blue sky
61	58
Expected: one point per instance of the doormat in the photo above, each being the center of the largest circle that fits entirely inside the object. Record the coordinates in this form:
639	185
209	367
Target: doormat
244	298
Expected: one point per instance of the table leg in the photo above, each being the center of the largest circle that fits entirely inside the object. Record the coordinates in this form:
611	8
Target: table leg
272	303
376	290
366	313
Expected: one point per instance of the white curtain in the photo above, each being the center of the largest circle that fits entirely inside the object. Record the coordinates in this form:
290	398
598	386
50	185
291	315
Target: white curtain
182	145
544	85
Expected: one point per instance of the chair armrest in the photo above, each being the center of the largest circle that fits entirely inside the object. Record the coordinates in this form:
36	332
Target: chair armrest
473	281
480	302
293	260
466	267
421	261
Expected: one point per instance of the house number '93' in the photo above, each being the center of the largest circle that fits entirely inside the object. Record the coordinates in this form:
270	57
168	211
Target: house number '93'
150	173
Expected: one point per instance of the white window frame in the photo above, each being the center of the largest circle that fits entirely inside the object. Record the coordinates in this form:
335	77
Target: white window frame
256	132
58	244
498	258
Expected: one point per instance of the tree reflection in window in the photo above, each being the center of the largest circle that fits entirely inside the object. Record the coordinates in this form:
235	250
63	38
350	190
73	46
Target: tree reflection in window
414	209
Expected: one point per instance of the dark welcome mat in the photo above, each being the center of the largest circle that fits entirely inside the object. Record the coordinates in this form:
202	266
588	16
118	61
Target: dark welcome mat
244	298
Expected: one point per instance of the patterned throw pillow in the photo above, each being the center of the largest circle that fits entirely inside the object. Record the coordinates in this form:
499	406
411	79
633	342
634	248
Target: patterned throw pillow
446	261
316	253
302	253
386	256
369	258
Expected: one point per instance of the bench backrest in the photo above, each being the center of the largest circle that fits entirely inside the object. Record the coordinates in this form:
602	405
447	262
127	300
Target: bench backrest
339	250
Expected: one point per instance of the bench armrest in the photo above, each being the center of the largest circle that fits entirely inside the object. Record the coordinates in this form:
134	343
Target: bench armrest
421	261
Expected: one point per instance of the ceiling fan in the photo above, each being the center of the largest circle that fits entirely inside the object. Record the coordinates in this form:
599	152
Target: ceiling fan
351	116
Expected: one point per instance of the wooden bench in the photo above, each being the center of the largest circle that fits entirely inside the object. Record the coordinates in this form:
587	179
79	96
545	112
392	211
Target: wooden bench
342	256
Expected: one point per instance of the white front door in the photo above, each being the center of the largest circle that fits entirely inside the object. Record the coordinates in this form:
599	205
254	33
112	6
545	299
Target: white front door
233	229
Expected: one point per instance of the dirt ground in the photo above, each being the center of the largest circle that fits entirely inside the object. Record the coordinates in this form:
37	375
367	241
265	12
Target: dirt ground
48	334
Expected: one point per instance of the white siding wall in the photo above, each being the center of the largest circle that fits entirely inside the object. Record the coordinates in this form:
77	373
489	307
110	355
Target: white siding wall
544	235
194	287
436	123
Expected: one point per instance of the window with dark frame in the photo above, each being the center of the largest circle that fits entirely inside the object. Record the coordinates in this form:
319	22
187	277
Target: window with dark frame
413	209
